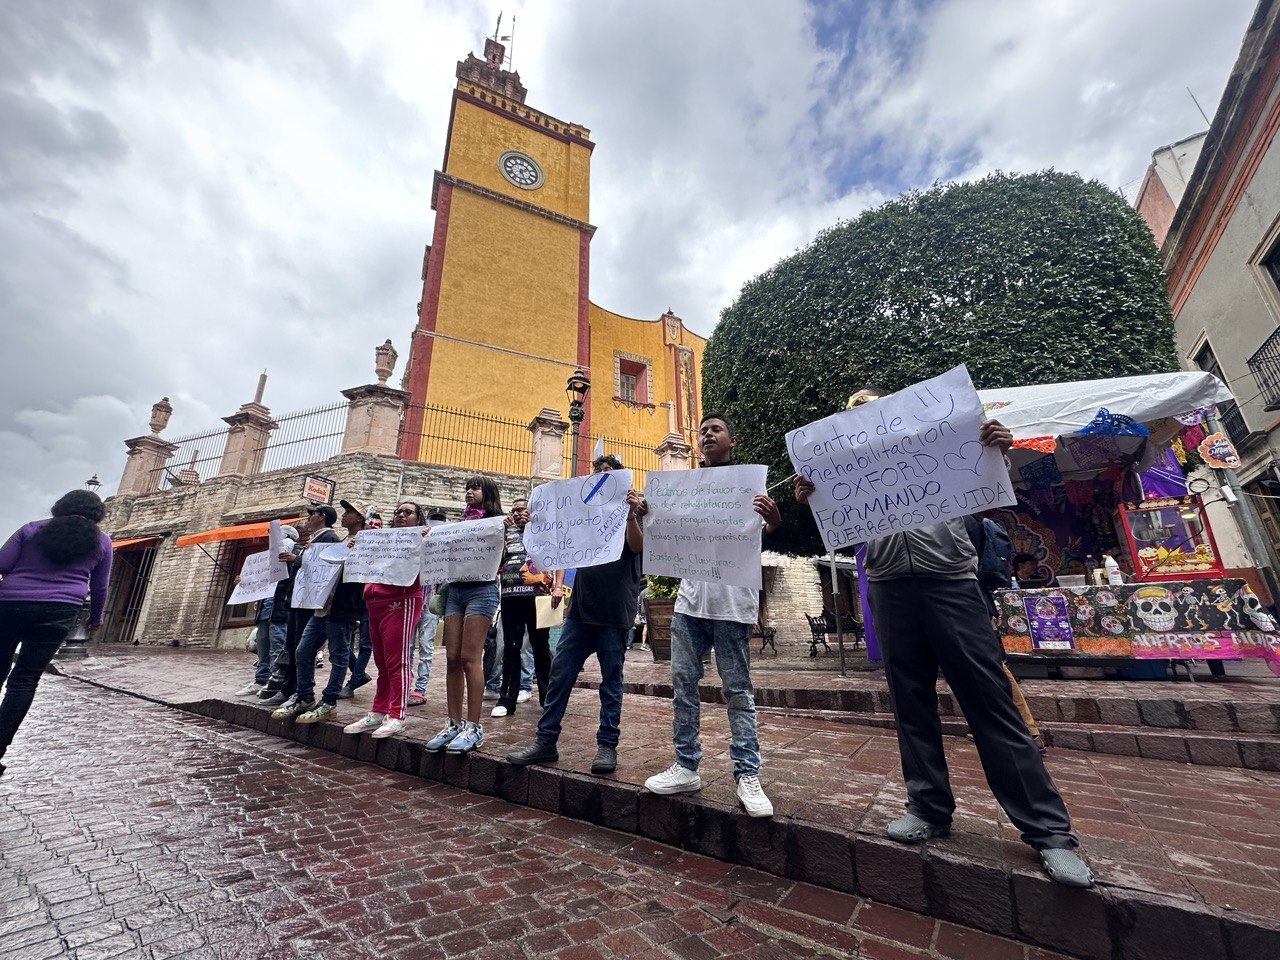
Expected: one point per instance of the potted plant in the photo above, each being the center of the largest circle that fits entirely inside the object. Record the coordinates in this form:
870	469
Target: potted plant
658	608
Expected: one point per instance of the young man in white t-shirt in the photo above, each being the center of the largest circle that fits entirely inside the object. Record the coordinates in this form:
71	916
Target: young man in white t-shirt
713	615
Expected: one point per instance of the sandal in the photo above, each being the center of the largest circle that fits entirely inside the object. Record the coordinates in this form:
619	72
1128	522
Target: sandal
417	699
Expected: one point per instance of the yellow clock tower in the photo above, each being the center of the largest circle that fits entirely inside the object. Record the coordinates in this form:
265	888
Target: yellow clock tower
505	315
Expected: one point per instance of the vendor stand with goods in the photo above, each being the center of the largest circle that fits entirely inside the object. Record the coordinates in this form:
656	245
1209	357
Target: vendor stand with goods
1098	468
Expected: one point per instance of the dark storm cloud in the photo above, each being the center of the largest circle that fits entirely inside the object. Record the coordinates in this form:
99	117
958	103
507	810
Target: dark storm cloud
191	190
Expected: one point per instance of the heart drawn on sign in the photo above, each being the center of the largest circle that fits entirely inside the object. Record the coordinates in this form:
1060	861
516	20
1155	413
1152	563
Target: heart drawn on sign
964	459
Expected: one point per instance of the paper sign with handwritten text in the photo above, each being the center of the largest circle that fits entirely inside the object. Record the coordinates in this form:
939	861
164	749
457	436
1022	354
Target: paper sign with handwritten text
702	524
907	460
317	578
466	551
257	580
579	522
390	555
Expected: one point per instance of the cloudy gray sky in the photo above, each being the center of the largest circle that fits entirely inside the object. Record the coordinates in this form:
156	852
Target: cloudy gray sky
193	190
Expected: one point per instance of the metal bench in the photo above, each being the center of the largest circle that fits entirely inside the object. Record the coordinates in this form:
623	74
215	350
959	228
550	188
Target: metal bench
766	636
820	627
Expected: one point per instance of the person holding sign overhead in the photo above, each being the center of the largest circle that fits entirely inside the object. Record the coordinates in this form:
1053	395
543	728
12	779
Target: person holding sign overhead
522	581
930	614
393	613
469	609
598	621
720	616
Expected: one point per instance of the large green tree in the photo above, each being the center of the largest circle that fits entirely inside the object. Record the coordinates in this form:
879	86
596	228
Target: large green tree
1036	278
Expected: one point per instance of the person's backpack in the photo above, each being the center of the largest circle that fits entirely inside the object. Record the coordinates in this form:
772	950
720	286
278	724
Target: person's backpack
994	549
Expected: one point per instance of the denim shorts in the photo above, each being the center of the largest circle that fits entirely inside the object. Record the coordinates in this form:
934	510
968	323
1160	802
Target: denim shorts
472	599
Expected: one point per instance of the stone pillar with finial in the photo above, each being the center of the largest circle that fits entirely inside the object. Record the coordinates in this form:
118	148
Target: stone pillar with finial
548	431
147	455
375	409
250	429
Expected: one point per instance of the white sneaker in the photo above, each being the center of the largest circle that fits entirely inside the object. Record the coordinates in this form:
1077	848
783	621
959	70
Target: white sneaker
674	779
523	696
752	797
499	711
249	689
491	694
389	727
370	721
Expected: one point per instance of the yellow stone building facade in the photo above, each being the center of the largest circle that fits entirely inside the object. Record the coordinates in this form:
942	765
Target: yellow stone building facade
506	316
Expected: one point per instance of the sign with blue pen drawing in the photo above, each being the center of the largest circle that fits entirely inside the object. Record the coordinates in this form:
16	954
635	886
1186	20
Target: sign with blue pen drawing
579	522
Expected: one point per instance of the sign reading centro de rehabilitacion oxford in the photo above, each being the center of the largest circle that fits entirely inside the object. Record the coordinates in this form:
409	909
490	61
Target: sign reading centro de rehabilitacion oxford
907	460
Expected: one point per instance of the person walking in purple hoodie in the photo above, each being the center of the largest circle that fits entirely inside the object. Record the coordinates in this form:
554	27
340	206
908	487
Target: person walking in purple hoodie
46	570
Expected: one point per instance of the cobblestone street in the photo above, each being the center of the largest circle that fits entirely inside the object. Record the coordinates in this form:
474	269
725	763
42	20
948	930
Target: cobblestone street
128	829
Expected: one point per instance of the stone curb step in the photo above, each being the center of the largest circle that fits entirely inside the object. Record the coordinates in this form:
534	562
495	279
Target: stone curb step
1255	752
1013	901
1200	716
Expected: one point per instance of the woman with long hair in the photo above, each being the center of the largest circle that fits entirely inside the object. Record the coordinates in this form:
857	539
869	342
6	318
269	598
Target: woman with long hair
47	568
393	614
468	612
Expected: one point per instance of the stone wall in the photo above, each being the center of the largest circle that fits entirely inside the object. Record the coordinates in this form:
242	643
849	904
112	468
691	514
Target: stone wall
179	608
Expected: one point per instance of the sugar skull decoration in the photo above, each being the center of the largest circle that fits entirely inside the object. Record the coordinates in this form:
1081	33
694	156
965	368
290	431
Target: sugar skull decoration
1255	611
1084	610
1105	598
1154	607
1113	625
1018	624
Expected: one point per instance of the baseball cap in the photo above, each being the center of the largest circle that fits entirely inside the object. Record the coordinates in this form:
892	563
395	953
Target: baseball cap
330	515
356	506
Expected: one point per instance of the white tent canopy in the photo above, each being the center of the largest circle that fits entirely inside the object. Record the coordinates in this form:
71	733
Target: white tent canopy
1055	409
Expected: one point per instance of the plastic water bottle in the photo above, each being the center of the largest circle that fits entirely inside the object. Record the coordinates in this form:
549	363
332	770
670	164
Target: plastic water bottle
1114	576
1013	582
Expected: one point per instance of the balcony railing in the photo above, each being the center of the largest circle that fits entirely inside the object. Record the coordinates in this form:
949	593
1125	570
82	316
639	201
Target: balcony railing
1265	367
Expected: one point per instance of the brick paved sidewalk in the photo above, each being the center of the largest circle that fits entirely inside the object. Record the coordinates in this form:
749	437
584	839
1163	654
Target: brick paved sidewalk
1182	851
142	832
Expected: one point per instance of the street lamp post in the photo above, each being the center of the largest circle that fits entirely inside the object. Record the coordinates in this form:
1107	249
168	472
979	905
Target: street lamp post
575	389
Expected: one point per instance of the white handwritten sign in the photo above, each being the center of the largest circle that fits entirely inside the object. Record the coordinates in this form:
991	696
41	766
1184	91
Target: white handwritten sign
904	461
580	522
317	577
465	551
702	524
275	547
256	581
389	555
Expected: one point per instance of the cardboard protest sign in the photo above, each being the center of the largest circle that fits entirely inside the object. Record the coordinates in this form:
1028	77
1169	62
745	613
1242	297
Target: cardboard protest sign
580	522
702	524
256	582
275	547
317	577
904	461
389	555
465	551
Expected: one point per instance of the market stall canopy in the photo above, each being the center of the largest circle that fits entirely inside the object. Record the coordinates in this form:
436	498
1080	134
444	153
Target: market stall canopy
1055	409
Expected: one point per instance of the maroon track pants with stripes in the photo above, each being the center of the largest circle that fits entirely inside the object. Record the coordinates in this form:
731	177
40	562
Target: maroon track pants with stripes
391	629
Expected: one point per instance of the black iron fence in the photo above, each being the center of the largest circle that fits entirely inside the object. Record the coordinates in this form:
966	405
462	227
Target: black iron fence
198	457
474	441
303	438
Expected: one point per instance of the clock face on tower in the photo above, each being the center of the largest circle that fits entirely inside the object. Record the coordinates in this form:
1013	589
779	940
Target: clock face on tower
520	169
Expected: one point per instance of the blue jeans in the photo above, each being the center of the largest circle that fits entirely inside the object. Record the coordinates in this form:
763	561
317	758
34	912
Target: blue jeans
578	641
690	638
425	640
479	599
271	637
337	634
360	661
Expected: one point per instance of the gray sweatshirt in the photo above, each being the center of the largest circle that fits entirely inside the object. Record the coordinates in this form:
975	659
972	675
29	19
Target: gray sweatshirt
942	551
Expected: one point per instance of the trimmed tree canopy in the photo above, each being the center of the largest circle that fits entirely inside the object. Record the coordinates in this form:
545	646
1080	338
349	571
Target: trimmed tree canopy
1040	278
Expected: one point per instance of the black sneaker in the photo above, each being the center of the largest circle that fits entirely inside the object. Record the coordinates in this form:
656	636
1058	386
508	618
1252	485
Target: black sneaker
536	752
606	760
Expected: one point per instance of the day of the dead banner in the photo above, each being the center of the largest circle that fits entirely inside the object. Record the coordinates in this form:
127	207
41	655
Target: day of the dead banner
1193	619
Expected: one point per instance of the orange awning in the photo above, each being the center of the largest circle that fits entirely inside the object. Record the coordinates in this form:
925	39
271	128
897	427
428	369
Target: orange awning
243	531
136	542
